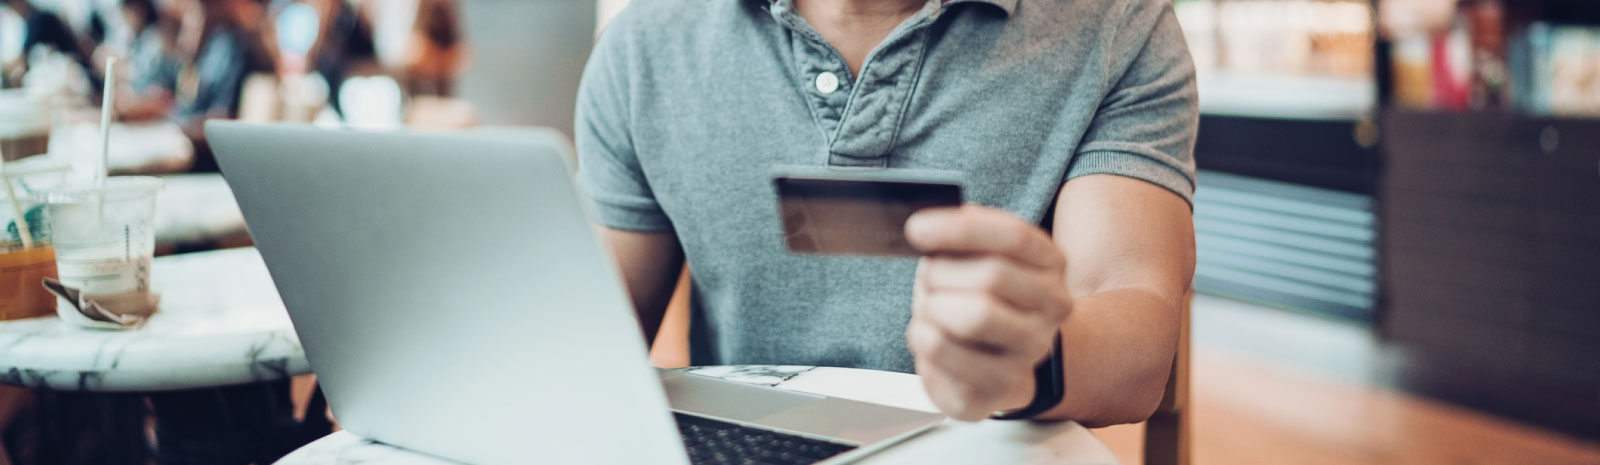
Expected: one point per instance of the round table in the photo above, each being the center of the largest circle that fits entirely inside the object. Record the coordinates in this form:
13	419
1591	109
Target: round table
213	363
198	212
987	442
221	323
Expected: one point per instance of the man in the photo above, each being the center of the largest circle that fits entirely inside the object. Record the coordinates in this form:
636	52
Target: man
1073	121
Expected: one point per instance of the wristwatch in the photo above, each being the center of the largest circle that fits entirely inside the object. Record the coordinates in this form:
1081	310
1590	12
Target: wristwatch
1049	386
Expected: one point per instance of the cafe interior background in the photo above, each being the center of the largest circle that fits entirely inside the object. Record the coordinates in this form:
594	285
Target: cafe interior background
1398	215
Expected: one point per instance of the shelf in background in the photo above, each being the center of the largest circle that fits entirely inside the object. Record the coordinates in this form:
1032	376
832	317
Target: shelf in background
1489	231
1563	11
1503	115
1286	245
1316	153
1261	95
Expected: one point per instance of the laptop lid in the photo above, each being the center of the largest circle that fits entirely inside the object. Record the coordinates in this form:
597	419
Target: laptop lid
450	293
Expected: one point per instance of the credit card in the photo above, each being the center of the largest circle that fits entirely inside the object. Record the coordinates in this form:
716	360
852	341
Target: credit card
834	211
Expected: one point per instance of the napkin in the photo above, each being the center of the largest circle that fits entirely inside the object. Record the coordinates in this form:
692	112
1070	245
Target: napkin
127	310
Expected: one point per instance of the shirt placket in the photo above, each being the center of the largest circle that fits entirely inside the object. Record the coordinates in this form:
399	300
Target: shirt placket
860	117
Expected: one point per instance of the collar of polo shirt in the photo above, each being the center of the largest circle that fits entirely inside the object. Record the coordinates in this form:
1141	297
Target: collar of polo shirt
1005	5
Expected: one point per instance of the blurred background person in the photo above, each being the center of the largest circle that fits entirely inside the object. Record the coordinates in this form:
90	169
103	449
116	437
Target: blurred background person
150	49
420	42
45	29
329	39
219	43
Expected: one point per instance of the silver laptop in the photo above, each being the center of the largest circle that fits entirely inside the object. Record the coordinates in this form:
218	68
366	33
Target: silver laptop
453	298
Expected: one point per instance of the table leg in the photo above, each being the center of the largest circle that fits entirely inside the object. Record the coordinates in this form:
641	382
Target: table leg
75	428
231	425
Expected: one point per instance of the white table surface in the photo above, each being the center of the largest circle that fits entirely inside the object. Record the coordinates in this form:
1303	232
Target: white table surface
988	442
198	209
221	323
135	148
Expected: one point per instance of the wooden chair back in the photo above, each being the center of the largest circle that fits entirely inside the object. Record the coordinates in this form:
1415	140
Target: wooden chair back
1166	433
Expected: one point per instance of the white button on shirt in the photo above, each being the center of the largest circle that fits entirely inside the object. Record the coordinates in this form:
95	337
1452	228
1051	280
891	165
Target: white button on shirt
827	82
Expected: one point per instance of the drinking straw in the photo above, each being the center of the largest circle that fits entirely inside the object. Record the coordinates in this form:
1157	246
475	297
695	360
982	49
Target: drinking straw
16	208
106	98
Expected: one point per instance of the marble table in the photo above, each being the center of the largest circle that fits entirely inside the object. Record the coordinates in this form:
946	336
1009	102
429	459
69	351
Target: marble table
221	323
987	442
213	365
198	212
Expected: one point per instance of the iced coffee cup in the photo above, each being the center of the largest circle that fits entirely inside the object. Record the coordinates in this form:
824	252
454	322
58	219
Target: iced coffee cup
104	238
26	255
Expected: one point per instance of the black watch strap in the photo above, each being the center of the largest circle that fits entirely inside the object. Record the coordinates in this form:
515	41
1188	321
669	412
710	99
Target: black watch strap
1049	386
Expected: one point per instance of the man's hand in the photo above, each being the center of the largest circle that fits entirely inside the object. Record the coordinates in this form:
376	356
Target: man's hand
990	295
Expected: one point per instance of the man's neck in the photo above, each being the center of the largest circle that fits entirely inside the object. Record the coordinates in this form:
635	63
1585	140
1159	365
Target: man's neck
855	27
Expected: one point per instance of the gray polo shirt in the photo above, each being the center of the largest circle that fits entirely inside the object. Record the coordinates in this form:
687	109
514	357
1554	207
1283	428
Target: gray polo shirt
687	104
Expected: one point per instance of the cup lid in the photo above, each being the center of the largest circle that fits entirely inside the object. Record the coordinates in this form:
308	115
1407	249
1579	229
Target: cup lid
115	185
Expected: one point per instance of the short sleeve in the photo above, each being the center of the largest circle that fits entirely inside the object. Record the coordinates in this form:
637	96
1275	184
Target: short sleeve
153	68
609	172
1145	127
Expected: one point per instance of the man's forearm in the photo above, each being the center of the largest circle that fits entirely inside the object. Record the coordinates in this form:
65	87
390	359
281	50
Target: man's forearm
992	291
1117	348
650	264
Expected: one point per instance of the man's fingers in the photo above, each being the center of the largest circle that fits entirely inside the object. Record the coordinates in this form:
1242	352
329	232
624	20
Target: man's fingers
1001	277
989	293
964	383
983	323
979	230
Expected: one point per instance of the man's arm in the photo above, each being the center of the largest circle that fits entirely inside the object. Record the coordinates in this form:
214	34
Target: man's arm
634	226
992	290
650	264
1129	247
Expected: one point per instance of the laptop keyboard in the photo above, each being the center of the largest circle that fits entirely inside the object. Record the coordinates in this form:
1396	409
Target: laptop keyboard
719	442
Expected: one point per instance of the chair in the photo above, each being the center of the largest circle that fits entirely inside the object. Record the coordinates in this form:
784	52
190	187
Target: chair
1166	433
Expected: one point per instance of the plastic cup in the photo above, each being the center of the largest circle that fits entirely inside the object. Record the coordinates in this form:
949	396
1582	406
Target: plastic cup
104	239
23	264
21	270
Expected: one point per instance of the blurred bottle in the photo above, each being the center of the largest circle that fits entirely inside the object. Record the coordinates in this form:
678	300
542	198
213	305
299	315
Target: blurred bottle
1412	71
1485	21
1571	71
1452	68
1413	28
